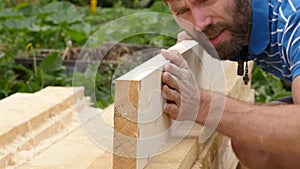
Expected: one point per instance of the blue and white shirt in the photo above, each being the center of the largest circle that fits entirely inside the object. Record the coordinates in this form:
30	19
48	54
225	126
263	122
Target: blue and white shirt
275	37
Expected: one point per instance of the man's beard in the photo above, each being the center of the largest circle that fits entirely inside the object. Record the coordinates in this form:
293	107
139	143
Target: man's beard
239	31
241	14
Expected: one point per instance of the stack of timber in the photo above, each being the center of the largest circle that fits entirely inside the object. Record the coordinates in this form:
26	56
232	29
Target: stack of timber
145	138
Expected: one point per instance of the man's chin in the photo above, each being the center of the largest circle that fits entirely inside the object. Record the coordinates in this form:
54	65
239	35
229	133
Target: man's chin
222	54
227	51
221	57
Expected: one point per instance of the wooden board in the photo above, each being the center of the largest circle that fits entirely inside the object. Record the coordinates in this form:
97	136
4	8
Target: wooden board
141	131
141	128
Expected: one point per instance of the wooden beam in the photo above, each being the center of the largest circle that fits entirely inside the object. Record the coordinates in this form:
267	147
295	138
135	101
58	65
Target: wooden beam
141	128
182	156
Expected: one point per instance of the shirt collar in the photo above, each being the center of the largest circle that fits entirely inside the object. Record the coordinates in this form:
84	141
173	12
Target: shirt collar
260	32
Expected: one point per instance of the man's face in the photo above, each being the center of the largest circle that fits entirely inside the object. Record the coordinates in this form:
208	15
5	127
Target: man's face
226	23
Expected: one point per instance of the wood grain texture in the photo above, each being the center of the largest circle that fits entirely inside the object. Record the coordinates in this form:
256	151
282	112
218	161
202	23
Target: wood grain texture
141	128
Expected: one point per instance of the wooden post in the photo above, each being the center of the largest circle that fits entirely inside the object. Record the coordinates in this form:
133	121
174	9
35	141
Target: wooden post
140	127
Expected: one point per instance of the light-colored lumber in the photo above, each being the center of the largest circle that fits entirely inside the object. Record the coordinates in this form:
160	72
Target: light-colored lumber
139	90
141	129
71	148
208	153
225	155
75	150
181	156
32	110
105	162
29	119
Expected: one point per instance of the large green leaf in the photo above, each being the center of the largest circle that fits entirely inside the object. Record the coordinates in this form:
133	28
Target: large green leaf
61	13
51	64
10	13
76	36
10	77
16	24
25	72
78	32
28	10
65	17
55	7
20	24
29	86
81	27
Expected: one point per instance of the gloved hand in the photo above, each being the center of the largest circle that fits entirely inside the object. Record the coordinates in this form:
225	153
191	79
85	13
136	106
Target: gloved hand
179	88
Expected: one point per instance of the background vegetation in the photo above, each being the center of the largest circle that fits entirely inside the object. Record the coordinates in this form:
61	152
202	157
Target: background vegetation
30	25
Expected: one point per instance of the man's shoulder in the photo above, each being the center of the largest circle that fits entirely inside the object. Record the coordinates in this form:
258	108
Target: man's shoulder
284	14
284	8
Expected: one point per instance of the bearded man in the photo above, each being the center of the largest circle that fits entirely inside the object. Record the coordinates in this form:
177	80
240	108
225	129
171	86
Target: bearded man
266	31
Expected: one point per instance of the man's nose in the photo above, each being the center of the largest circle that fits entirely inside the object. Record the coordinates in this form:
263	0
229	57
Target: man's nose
201	18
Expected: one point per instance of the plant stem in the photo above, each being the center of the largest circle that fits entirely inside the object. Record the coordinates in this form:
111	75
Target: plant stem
34	62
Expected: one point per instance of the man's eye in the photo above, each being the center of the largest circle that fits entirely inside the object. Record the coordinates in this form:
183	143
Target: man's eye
182	11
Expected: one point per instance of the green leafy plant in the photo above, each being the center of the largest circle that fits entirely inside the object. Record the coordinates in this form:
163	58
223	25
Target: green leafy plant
97	83
17	78
8	82
49	26
267	87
